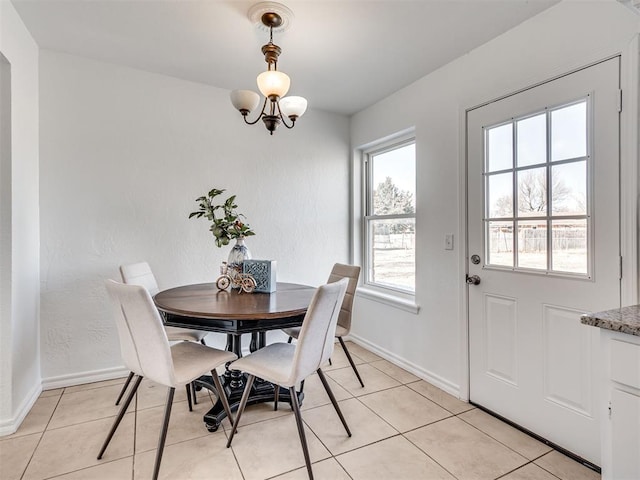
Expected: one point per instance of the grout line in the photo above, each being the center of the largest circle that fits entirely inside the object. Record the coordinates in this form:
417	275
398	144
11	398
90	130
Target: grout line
41	436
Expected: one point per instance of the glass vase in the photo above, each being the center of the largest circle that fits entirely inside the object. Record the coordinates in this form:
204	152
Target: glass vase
238	254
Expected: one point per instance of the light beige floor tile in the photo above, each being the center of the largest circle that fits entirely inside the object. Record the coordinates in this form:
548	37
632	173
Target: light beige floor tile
516	440
91	386
366	427
374	380
183	425
440	397
85	405
117	470
260	412
394	371
151	394
56	392
327	469
339	359
72	448
361	352
315	395
393	458
37	419
566	468
203	458
404	409
270	448
15	454
464	451
529	472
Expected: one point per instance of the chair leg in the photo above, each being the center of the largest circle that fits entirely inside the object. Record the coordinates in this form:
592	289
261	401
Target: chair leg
241	407
193	393
124	388
353	365
276	395
222	395
121	413
163	432
323	379
188	387
303	438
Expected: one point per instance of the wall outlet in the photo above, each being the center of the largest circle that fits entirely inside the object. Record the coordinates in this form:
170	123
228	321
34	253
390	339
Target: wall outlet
448	241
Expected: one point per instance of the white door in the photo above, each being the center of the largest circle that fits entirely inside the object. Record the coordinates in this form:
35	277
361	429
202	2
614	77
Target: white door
543	220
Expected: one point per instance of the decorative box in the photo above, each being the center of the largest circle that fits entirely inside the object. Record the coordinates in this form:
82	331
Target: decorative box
264	273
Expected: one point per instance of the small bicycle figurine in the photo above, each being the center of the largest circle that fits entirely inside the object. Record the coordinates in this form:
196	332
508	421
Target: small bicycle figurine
243	281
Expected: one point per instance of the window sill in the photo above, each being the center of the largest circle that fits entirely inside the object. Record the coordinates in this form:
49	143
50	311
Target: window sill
405	304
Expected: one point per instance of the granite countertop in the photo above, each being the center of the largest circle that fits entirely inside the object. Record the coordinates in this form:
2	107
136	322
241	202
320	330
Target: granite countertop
623	320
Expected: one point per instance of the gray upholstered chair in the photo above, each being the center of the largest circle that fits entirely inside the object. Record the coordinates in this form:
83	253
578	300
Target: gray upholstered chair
339	271
146	352
141	274
286	365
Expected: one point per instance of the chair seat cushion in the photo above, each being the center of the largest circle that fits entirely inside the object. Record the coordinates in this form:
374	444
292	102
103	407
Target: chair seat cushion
294	332
271	363
177	334
191	360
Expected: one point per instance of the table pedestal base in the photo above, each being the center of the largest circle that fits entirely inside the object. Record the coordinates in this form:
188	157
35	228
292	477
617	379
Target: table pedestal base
261	392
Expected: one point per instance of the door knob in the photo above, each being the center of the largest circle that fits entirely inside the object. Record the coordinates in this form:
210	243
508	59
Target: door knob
473	279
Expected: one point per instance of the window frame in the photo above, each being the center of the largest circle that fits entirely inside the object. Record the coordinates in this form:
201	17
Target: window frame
368	217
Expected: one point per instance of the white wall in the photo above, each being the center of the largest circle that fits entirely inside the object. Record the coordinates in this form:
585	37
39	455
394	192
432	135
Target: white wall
558	40
124	153
19	249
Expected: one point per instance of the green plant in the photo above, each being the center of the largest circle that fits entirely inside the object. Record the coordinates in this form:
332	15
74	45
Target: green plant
226	225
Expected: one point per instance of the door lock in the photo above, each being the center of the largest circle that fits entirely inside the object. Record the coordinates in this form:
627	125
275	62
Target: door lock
473	279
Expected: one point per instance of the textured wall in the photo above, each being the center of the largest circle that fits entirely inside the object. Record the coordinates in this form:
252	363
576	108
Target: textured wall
124	154
19	248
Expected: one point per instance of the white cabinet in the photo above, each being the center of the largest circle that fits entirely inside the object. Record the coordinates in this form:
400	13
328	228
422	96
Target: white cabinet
621	428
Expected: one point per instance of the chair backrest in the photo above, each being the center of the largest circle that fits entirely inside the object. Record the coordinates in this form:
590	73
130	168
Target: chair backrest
352	272
143	341
315	341
139	274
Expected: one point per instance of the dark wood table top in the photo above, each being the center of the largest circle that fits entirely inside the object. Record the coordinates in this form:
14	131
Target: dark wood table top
207	302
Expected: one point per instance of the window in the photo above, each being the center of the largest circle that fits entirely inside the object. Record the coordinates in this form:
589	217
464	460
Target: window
536	194
390	216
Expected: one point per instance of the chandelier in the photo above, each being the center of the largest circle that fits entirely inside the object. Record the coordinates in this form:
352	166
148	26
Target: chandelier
273	84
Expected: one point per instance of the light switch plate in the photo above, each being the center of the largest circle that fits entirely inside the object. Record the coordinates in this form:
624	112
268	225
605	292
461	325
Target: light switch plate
448	241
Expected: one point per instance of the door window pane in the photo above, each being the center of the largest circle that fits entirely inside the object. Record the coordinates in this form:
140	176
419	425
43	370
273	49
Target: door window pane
569	132
532	244
532	140
532	192
393	252
550	184
500	243
499	148
500	195
569	188
569	246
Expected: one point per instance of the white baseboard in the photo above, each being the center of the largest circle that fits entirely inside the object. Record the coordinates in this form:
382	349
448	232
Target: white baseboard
418	371
9	426
83	377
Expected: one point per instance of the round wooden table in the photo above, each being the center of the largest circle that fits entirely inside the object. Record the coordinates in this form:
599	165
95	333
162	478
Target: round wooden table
204	307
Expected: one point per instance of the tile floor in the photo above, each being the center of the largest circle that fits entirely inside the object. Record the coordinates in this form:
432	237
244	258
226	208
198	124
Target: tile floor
403	428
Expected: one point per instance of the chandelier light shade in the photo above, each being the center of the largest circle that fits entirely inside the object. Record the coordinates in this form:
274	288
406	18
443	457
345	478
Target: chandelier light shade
273	84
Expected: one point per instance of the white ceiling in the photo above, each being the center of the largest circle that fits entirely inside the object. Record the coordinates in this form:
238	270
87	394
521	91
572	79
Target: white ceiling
341	55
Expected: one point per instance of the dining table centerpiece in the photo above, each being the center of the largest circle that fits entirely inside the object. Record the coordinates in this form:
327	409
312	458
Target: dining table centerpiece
226	225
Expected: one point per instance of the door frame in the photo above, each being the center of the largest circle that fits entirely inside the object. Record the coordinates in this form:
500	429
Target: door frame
629	170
